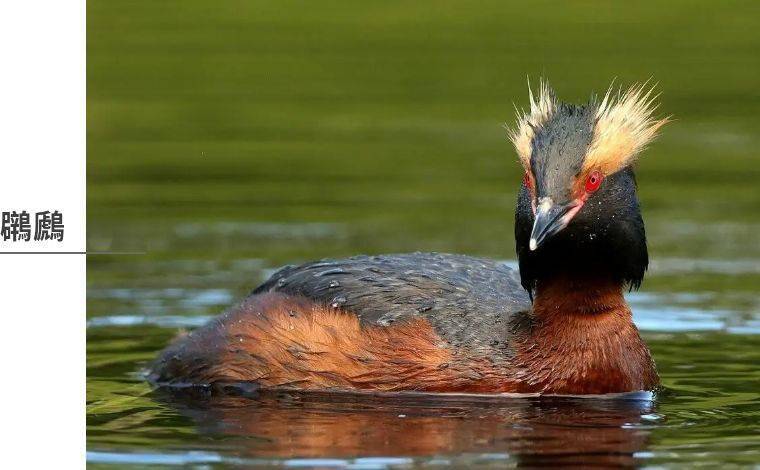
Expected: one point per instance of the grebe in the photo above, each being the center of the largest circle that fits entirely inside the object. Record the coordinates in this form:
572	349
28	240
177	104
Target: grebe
452	323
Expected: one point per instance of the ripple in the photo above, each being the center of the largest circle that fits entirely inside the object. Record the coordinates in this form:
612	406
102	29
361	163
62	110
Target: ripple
684	311
164	321
198	457
709	266
260	229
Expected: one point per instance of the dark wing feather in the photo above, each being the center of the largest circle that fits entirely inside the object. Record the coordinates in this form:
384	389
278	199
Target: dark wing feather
469	301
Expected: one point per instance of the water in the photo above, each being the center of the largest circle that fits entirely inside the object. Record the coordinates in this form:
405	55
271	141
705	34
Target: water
227	139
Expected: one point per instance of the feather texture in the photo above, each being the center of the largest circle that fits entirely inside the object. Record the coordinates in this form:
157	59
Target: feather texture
624	126
541	110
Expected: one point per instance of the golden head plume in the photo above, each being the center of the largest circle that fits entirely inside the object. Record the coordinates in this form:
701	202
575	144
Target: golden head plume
624	126
527	123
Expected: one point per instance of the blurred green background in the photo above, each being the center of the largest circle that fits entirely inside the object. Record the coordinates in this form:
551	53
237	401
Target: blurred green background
388	116
228	138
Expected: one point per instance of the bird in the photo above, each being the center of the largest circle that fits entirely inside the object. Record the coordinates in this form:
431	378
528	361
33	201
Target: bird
450	323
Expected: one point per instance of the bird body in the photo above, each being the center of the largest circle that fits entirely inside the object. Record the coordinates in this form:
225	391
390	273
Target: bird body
452	323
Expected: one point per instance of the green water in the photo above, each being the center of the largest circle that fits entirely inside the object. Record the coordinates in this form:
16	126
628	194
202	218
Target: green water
228	138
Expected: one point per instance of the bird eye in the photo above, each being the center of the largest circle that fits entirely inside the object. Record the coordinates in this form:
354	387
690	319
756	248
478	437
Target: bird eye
527	181
593	181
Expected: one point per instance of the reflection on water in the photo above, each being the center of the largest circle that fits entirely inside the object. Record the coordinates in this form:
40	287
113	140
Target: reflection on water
526	431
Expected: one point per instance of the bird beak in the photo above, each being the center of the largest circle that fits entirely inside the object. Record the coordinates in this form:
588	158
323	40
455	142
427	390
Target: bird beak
550	219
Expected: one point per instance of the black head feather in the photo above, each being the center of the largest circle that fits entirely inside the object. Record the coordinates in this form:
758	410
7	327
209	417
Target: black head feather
606	238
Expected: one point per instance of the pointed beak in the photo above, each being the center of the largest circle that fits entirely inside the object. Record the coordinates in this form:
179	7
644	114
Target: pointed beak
550	219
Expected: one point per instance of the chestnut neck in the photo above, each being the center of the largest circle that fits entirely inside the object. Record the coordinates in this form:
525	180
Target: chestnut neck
565	296
583	332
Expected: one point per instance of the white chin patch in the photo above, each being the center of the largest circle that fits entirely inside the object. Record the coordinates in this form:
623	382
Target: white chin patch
532	244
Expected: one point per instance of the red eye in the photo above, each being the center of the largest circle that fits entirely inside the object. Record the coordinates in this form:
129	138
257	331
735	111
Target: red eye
527	181
593	181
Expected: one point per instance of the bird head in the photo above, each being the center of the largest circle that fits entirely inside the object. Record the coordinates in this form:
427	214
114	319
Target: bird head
578	213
